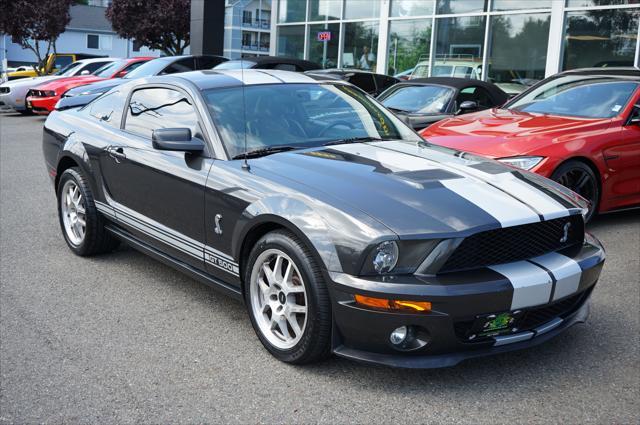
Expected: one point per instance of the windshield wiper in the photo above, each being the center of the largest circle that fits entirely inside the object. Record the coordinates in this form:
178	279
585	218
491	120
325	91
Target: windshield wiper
263	152
354	140
402	111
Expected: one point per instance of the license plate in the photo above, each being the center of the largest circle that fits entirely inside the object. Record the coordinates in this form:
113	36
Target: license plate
495	324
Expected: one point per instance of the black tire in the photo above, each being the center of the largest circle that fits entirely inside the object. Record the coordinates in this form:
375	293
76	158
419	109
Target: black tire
579	177
314	345
25	112
97	239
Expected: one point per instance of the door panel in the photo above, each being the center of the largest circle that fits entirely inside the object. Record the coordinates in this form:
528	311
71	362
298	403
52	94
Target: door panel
623	161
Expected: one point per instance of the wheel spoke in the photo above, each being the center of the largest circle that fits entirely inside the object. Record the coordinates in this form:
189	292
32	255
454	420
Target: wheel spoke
294	325
264	288
80	209
295	308
284	329
268	273
82	221
287	274
584	179
295	289
277	268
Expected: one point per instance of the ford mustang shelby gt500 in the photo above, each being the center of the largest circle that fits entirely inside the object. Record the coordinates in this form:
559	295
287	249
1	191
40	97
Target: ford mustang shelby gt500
341	229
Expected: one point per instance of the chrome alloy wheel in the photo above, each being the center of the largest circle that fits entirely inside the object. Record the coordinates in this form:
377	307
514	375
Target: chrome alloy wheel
73	212
278	298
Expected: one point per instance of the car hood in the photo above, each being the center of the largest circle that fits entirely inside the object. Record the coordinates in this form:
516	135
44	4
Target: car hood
30	82
103	86
498	133
69	82
421	189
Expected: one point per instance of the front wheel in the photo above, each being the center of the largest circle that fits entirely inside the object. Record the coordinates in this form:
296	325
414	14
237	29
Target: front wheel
287	299
580	178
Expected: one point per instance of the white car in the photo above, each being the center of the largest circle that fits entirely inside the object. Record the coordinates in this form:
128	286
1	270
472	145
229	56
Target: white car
14	93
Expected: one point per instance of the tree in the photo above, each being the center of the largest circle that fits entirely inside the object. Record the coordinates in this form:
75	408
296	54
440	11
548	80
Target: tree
35	24
158	24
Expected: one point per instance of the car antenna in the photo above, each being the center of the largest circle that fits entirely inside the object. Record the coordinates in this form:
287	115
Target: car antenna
245	164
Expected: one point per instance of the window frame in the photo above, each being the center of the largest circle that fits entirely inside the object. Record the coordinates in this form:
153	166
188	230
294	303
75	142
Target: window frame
87	41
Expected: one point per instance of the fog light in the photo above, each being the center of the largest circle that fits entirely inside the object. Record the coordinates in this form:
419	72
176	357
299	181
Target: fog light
398	336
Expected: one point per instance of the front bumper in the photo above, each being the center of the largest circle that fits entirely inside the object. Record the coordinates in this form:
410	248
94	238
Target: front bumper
42	105
458	299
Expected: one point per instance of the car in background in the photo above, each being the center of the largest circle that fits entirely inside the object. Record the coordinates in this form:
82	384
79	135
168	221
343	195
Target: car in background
580	128
43	98
271	62
340	228
54	63
372	83
14	93
449	67
160	66
423	101
404	75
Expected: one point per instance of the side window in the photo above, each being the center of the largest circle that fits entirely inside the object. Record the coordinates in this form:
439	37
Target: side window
133	66
153	108
476	94
285	67
107	109
364	81
62	61
208	62
463	72
183	65
384	82
91	67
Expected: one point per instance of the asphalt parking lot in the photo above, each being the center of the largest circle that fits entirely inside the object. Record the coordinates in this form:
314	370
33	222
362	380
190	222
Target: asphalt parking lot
122	338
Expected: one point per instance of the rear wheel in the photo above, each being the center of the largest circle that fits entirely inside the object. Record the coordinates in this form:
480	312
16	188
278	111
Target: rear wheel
81	223
287	299
580	178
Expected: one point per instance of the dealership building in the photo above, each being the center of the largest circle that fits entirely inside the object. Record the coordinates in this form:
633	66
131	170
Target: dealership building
496	40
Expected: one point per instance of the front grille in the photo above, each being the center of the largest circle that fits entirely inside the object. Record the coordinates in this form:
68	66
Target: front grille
533	317
4	90
515	243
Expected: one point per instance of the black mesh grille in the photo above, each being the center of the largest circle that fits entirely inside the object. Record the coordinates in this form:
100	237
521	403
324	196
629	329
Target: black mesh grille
515	243
533	317
4	89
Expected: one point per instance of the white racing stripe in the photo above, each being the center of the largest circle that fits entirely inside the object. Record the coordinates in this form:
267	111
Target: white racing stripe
250	77
531	284
390	159
565	270
507	210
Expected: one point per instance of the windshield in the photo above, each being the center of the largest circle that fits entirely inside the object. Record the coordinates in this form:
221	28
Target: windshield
419	99
153	67
109	69
299	115
242	64
578	96
68	70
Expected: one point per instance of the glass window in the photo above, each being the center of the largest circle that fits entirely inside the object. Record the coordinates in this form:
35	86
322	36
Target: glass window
150	109
324	10
419	99
360	45
208	62
62	61
292	10
153	67
589	3
93	66
324	44
409	43
298	115
520	4
475	94
459	42
600	38
364	81
291	41
360	9
577	95
109	69
183	65
93	41
518	48
444	7
411	7
69	69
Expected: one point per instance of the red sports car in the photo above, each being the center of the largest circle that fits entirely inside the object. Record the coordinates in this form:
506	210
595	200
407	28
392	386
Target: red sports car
43	98
580	128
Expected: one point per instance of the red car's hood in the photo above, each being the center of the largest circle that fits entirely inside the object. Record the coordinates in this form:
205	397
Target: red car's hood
64	84
498	133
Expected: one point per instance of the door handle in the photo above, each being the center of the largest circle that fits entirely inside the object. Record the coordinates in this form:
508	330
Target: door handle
117	153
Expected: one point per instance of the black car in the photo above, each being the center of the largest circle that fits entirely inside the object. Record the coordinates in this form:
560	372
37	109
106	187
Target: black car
342	230
270	62
423	101
160	66
372	83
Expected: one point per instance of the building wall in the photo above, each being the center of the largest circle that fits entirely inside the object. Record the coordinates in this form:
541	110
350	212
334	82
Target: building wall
497	40
237	29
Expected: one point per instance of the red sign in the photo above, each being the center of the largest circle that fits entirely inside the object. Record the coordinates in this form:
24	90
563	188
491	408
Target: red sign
324	36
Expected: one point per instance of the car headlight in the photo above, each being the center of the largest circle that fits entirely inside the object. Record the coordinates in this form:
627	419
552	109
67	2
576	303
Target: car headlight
385	257
524	162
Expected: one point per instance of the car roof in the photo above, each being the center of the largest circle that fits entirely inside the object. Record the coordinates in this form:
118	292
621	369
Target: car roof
214	78
267	60
343	71
457	83
622	71
102	59
177	58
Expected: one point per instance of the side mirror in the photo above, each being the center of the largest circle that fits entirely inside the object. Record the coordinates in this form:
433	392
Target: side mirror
176	139
121	74
634	118
85	72
467	106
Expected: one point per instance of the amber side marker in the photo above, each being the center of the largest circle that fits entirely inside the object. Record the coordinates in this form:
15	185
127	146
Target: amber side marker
395	305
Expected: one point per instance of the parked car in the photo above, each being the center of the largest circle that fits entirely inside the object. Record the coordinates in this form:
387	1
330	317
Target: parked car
449	67
423	101
404	75
14	93
580	128
372	83
42	99
160	66
270	62
54	63
337	225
